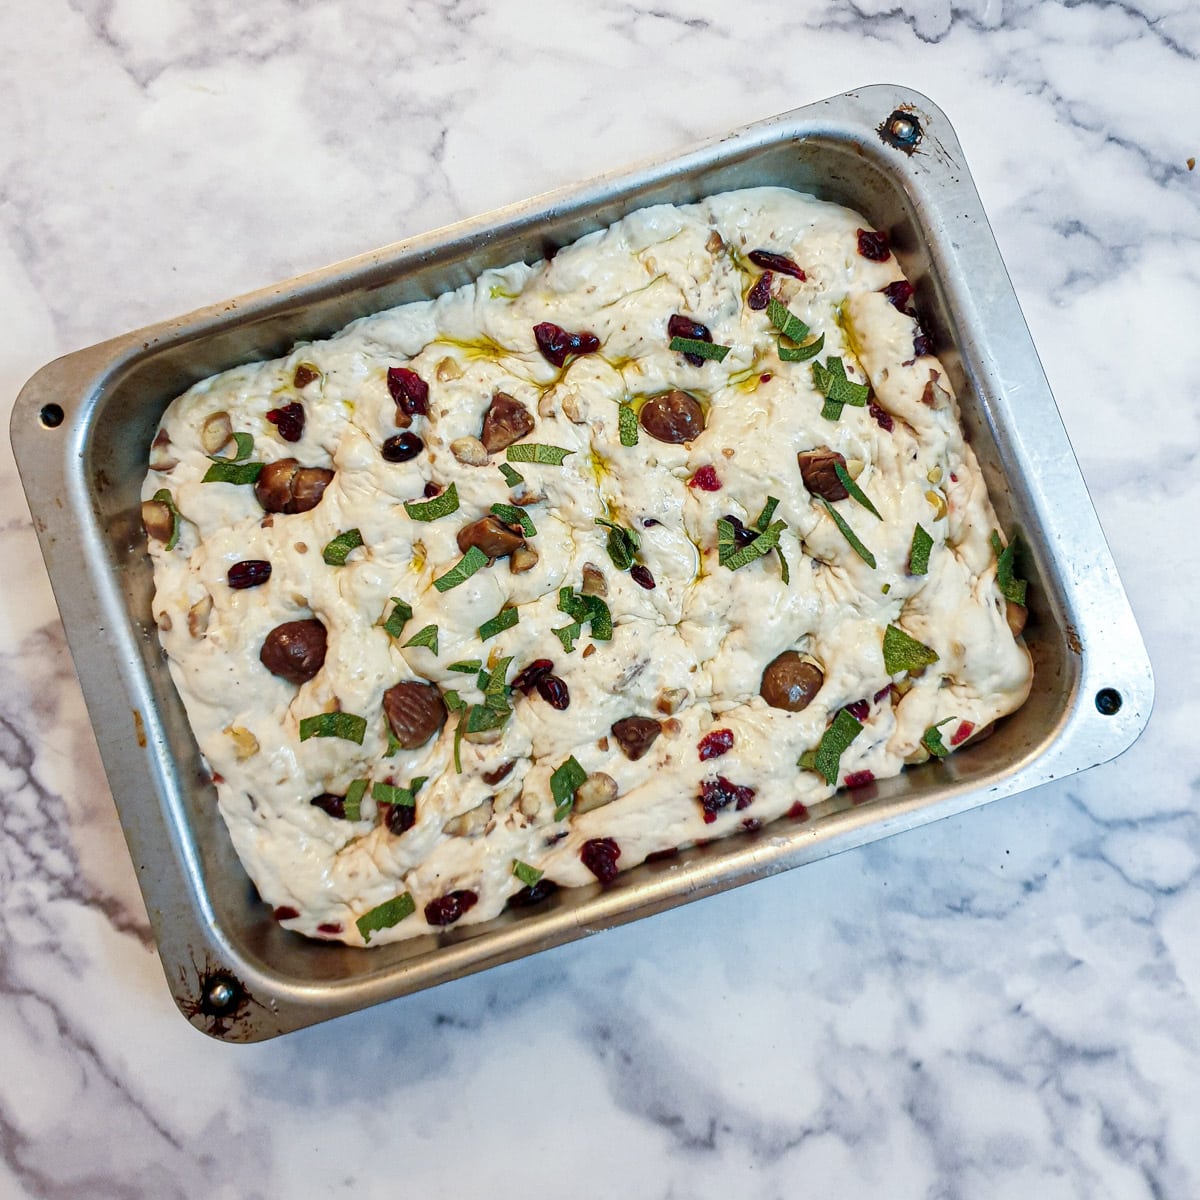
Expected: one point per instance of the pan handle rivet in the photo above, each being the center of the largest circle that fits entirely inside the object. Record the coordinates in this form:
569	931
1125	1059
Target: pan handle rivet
1108	702
51	416
902	129
220	995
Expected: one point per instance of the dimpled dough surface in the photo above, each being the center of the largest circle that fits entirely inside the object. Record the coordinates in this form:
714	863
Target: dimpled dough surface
704	632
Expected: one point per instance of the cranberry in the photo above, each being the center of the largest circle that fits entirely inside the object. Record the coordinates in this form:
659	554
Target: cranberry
883	418
642	577
882	694
765	377
556	343
251	572
684	327
600	856
921	344
899	294
719	793
706	479
759	295
769	261
330	927
953	477
409	390
713	745
402	447
334	805
751	824
649	522
289	420
798	812
859	710
873	244
445	910
554	691
964	731
741	535
525	681
533	894
491	778
400	817
857	779
285	912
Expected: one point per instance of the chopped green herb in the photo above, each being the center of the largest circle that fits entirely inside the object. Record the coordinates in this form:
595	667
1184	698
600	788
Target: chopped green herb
567	635
468	666
728	553
785	572
506	618
458	736
931	739
563	783
850	535
788	324
400	615
843	730
627	425
589	610
904	653
537	452
1011	588
525	873
431	510
385	915
164	497
335	724
495	690
700	349
428	637
856	493
336	553
768	511
516	516
386	793
481	717
802	353
353	803
453	701
918	554
830	380
462	570
230	472
623	544
393	746
243	447
511	476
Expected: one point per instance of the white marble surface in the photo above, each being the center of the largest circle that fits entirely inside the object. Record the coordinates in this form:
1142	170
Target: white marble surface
1002	1005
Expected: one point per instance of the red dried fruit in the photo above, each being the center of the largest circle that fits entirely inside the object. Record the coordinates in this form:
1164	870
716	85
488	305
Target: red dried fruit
719	793
447	909
304	375
860	710
491	778
554	691
642	577
526	680
556	343
857	779
759	295
882	418
330	927
741	535
533	894
680	326
600	856
751	824
770	261
285	912
402	447
882	693
399	818
899	294
250	573
431	489
409	390
706	479
713	745
289	420
798	812
921	344
964	731
873	244
329	802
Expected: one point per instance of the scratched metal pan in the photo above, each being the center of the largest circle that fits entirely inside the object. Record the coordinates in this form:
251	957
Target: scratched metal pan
82	427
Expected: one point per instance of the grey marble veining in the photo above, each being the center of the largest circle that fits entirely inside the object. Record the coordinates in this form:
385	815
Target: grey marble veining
1006	1004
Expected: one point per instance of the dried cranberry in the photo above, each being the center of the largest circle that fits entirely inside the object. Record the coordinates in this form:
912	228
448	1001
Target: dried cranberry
860	710
526	680
873	244
921	344
798	812
719	793
899	294
713	745
741	535
402	447
765	377
556	343
769	261
554	691
330	927
330	803
684	327
751	824
706	479
883	693
409	390
533	894
882	418
491	778
759	295
642	577
600	856
432	489
445	910
964	731
400	817
289	420
251	572
857	779
285	912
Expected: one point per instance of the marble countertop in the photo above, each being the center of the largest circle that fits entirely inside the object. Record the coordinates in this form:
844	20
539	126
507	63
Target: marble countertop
1005	1004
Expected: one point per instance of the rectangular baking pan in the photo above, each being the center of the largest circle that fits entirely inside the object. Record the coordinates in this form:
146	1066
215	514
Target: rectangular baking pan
82	427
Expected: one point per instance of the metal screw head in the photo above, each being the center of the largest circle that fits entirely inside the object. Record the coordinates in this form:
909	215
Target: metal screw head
902	129
1108	702
222	994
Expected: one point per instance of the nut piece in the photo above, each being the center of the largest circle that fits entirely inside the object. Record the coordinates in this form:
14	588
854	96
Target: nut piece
595	791
524	558
492	536
245	744
674	417
506	421
470	824
469	451
162	457
415	712
1016	616
198	616
934	395
791	682
287	487
448	369
817	469
295	650
594	583
670	700
216	432
157	520
635	735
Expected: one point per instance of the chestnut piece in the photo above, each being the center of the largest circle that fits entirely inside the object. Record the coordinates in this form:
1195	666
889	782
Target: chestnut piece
635	735
285	486
674	417
791	682
492	536
818	469
415	711
506	421
295	650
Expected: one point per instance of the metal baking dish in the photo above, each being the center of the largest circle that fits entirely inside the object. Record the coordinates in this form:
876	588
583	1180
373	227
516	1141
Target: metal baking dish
81	431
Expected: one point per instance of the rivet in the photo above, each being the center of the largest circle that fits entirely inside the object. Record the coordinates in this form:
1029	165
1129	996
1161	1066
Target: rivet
1108	701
